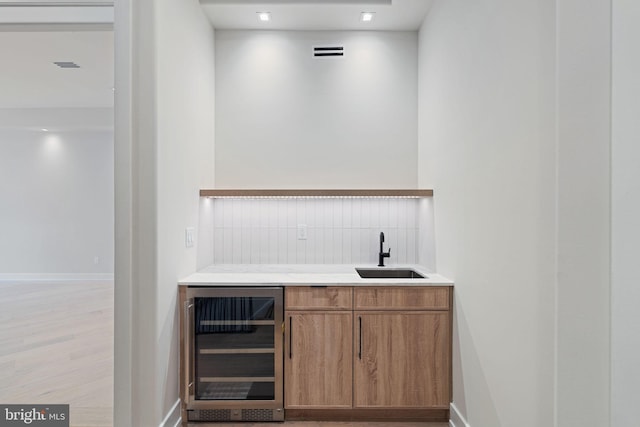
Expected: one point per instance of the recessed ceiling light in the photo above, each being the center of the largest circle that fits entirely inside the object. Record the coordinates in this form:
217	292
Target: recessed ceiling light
264	16
366	16
44	130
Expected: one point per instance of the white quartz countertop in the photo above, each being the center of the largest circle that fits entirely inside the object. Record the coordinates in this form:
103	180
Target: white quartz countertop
304	274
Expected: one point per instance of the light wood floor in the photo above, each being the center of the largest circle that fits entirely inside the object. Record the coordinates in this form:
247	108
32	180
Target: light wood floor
56	346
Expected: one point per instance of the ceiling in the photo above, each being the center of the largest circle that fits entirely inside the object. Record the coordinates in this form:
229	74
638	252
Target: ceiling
36	33
390	15
30	79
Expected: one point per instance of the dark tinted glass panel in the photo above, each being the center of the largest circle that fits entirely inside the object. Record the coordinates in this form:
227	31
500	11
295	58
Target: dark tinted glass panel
214	315
236	391
234	348
236	365
258	336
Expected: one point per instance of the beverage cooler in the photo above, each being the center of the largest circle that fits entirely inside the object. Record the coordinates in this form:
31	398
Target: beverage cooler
231	354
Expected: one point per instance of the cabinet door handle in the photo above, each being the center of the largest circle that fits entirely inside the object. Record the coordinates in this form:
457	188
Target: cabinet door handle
290	336
360	338
189	349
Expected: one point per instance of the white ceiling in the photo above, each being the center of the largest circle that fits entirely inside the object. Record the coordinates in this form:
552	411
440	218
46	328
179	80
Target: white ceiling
30	79
36	33
395	15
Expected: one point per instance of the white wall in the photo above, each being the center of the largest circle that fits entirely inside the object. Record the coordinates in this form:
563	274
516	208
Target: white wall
514	139
583	195
185	164
286	119
164	155
56	194
487	148
625	381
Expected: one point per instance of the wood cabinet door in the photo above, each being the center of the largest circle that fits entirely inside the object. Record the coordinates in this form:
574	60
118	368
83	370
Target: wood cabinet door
401	359
318	359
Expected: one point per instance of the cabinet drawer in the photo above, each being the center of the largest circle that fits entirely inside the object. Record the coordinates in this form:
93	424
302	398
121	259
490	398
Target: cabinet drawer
388	298
318	298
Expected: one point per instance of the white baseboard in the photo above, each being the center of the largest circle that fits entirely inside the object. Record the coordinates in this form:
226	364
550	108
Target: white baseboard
56	277
455	417
173	417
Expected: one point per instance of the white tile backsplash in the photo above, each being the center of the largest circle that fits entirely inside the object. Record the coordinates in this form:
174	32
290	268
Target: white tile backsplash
339	231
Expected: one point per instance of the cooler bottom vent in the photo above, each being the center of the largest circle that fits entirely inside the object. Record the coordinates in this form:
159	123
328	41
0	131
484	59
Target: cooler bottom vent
210	415
222	415
257	415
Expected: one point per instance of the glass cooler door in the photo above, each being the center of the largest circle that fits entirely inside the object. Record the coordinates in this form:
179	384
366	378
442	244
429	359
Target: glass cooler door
237	344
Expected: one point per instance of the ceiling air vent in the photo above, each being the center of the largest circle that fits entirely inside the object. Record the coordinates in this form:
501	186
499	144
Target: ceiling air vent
67	64
321	51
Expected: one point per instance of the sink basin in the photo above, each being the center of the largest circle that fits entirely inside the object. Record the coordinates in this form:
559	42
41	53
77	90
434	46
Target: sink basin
388	273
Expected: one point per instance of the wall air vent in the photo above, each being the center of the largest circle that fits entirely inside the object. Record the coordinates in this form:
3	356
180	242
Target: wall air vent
67	64
322	51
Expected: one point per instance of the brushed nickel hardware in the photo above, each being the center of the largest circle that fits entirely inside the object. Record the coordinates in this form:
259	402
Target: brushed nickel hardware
189	356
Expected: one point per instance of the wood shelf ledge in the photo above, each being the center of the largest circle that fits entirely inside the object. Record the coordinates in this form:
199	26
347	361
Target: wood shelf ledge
230	193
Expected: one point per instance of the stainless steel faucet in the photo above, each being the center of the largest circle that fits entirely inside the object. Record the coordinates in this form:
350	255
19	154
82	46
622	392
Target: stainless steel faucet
382	255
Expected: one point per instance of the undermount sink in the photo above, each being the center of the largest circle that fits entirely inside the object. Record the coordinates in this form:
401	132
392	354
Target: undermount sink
389	273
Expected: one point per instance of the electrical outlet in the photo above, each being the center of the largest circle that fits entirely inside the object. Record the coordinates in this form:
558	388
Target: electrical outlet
189	237
96	260
302	231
